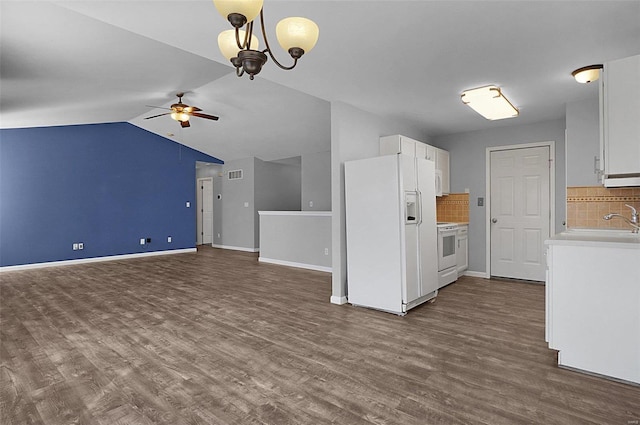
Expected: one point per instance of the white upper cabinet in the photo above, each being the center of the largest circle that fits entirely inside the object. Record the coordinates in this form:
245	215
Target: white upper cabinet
421	150
620	122
442	164
431	153
391	145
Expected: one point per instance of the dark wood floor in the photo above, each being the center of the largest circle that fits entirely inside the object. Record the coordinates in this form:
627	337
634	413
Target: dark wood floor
218	338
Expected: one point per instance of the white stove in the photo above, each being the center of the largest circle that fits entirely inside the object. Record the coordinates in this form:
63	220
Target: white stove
447	267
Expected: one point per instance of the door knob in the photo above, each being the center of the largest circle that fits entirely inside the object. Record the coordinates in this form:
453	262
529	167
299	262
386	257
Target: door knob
494	220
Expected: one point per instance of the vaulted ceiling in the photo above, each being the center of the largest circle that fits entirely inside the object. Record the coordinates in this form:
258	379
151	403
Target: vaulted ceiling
78	62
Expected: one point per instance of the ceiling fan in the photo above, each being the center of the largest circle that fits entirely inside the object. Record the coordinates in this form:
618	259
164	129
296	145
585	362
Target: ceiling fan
181	112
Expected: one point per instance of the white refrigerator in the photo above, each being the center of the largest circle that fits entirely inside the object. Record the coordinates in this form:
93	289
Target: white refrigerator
392	259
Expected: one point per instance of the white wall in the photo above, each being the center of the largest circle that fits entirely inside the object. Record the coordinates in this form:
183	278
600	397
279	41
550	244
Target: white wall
468	151
583	142
277	188
237	224
355	134
316	181
298	239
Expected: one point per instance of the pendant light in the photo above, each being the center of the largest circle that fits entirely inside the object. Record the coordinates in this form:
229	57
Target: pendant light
295	35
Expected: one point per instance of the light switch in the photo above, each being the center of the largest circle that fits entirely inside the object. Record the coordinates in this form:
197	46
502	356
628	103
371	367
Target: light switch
480	202
246	205
188	204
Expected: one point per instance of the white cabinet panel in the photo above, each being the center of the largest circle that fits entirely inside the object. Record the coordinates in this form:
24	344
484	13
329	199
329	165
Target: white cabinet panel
442	164
421	150
592	314
391	145
620	126
462	251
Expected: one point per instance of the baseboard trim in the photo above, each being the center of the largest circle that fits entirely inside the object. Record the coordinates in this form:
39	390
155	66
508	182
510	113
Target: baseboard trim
471	273
294	264
338	300
236	248
95	259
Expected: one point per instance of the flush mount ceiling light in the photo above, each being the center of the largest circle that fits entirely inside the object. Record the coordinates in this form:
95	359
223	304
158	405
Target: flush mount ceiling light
587	74
295	35
489	102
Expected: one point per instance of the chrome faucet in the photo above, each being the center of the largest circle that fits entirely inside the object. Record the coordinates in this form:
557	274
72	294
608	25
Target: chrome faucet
634	218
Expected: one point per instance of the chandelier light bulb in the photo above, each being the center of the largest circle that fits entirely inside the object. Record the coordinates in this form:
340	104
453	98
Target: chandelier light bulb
247	8
229	46
296	32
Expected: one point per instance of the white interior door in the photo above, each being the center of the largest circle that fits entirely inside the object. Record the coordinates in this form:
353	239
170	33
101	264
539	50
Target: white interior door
204	214
520	211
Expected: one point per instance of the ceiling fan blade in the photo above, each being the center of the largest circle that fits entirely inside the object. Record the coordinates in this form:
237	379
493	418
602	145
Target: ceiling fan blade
195	108
157	107
209	117
184	124
156	116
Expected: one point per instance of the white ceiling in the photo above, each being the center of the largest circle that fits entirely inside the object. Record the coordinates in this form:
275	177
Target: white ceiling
89	61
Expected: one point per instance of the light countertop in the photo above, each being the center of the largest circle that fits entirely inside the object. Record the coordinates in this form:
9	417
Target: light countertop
597	237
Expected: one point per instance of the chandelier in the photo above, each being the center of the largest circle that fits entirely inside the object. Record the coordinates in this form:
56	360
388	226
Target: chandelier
295	35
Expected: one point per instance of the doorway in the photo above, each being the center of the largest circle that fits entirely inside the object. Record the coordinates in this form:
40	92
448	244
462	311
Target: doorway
204	211
520	209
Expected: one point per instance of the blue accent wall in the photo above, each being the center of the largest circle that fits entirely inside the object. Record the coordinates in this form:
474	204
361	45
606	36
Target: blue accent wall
105	185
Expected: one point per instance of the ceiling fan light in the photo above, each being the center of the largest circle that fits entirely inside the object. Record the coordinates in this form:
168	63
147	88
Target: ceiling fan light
180	116
229	46
587	74
489	102
248	8
296	32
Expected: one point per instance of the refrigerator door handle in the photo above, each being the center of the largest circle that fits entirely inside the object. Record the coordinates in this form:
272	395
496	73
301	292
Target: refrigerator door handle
419	207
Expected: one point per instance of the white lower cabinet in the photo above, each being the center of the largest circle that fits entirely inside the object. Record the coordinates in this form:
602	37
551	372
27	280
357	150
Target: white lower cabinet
593	307
462	249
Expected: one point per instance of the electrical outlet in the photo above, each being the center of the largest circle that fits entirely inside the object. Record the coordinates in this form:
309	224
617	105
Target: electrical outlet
80	245
141	241
326	251
310	204
75	246
169	239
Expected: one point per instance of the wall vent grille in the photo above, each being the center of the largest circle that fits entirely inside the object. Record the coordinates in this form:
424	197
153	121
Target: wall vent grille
235	175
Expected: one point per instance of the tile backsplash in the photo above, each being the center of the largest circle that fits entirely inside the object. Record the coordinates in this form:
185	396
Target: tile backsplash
587	204
453	208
